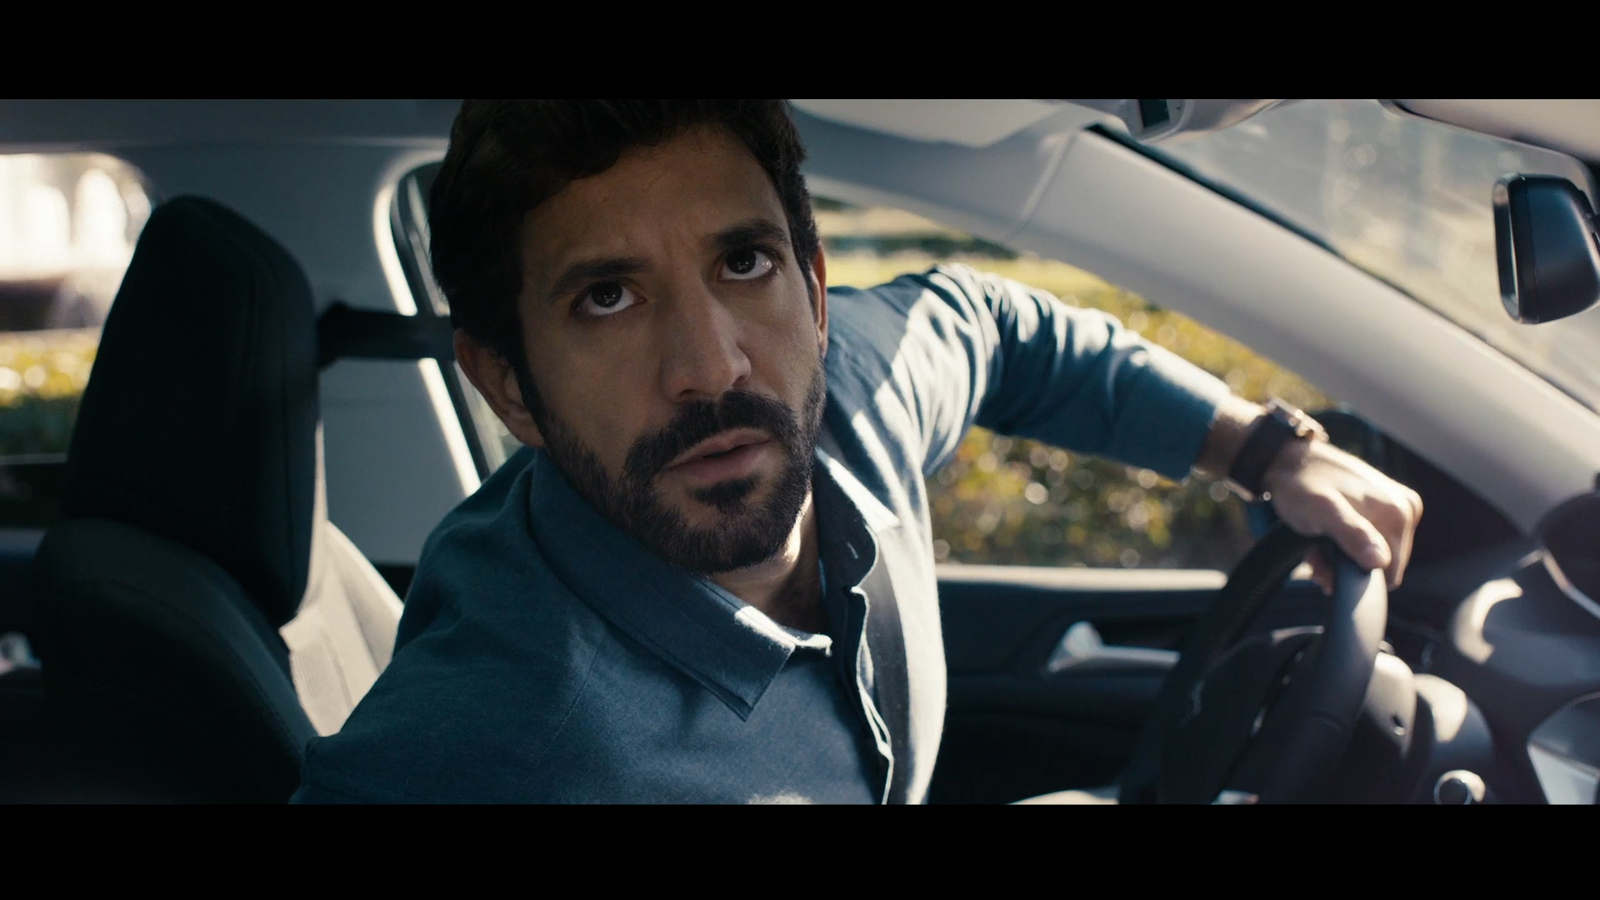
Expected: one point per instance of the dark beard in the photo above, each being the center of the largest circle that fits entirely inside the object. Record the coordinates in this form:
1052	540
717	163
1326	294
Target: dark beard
750	533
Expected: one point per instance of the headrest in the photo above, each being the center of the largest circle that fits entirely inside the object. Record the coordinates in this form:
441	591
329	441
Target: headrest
199	421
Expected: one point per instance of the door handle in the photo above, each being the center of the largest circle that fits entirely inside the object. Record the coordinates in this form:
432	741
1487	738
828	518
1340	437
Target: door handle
1082	651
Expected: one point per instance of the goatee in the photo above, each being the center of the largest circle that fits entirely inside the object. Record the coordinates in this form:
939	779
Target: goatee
748	532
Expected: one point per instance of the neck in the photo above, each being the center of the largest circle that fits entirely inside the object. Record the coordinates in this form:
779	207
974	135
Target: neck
786	587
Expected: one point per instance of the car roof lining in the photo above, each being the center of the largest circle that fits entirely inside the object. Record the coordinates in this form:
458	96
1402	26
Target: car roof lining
1566	126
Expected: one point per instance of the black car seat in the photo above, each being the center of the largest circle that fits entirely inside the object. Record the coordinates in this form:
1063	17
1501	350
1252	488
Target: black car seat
197	616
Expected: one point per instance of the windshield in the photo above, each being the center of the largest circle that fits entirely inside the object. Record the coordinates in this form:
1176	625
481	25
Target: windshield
1409	201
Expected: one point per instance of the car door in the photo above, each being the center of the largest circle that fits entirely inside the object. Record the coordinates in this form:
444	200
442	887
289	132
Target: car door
1053	671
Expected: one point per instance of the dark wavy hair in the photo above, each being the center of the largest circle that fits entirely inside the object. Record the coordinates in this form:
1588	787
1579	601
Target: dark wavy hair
508	156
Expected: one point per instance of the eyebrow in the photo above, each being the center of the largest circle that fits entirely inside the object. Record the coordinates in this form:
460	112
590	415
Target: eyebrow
754	231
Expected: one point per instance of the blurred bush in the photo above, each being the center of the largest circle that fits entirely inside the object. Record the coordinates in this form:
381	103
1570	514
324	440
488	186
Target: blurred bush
1009	501
42	376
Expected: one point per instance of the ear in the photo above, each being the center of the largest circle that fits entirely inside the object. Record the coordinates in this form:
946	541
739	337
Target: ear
494	378
819	298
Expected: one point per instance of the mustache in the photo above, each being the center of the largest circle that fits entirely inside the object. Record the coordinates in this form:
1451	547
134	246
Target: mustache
704	419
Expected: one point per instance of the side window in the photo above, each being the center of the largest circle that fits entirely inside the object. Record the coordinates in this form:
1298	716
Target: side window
1007	501
68	224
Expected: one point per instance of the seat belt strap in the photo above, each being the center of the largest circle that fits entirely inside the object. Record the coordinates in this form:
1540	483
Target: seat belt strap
891	686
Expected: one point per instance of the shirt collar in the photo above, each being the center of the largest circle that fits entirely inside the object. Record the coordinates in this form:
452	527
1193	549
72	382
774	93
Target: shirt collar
727	646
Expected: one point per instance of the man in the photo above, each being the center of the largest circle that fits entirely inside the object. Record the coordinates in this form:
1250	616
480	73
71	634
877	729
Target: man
711	578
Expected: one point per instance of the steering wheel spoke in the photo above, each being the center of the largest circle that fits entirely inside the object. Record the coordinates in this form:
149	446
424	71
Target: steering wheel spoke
1267	714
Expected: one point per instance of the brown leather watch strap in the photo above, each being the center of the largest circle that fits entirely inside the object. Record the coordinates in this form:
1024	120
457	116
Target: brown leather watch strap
1281	424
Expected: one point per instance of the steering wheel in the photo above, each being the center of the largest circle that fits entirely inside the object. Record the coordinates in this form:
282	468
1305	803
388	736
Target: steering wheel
1262	715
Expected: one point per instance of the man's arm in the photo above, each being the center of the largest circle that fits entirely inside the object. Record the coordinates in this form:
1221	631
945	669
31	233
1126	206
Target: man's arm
1076	378
955	347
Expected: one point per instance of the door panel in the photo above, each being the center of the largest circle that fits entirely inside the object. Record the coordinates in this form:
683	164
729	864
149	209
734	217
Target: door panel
1012	729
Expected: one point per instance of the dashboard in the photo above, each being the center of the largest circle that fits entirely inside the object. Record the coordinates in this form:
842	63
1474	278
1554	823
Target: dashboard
1509	666
1502	633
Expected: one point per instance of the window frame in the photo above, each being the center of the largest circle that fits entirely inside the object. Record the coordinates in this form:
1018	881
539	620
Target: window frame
408	221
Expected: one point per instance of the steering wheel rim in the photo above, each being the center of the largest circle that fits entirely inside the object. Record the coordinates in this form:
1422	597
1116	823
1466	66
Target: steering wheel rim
1296	740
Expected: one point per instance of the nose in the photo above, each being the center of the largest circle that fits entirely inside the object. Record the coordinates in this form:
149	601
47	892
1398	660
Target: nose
702	356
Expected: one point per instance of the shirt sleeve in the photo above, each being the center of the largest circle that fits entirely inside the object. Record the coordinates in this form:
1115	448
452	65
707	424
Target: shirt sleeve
974	348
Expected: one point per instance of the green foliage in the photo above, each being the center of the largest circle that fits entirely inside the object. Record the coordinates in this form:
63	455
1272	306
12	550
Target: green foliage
42	376
1009	501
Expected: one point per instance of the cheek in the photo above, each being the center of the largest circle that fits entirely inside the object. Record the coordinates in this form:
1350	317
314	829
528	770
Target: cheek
793	346
786	325
603	405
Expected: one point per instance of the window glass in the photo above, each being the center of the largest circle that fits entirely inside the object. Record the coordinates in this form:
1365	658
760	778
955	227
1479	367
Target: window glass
1410	201
68	224
1019	502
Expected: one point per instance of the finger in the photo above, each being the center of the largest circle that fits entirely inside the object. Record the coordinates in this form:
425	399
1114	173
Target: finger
1414	502
1356	536
1402	542
1397	522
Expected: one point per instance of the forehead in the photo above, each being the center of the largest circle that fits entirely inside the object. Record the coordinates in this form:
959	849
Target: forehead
689	188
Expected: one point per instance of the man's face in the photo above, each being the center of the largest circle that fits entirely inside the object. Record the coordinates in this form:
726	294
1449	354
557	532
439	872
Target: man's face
676	346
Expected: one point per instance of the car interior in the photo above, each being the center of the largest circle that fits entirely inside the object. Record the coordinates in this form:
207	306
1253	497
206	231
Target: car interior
277	360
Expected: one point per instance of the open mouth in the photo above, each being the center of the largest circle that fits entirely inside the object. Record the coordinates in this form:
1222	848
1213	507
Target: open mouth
732	454
723	446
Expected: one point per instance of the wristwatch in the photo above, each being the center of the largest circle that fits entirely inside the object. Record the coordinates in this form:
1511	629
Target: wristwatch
1281	424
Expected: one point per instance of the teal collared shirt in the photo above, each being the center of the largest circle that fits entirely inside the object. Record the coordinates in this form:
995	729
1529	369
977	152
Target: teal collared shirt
546	656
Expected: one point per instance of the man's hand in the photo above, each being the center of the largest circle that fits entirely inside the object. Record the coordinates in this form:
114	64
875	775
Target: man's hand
1319	489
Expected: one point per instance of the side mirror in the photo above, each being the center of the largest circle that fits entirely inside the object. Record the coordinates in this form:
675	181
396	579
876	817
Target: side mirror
1544	243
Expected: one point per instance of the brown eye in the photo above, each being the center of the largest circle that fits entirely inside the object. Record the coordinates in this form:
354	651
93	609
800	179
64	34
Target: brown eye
746	265
605	299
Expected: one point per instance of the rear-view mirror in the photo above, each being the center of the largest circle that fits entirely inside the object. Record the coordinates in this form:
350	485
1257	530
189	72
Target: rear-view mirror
1544	242
1173	121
